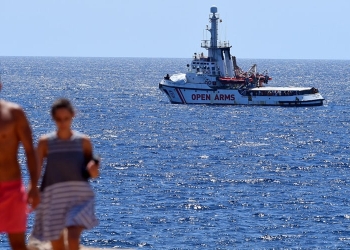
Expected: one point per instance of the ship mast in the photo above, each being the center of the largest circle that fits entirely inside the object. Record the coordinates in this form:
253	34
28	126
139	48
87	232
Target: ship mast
218	52
214	27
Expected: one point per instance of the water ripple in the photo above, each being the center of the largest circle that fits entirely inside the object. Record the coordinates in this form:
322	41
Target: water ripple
194	177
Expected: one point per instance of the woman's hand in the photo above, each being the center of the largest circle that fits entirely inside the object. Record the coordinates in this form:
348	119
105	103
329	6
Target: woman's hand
93	168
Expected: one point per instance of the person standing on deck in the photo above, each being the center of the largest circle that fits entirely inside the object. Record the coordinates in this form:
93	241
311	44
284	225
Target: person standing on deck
15	129
67	197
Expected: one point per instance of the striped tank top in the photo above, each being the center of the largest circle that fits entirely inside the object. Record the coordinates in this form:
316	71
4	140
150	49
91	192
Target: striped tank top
65	160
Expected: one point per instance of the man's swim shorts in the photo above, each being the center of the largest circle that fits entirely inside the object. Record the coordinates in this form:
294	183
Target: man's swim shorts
13	207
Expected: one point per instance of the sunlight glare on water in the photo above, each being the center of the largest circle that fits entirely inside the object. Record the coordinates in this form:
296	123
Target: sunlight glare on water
199	176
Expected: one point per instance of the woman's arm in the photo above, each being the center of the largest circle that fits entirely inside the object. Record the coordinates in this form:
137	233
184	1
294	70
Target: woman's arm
92	165
41	152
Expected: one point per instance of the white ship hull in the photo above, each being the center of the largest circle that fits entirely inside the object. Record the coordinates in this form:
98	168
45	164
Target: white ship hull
196	93
217	79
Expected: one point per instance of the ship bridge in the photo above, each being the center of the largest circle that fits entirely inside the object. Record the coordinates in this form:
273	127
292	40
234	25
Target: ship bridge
220	45
218	51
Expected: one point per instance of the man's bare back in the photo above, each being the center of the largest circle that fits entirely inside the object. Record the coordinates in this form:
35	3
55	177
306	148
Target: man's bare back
15	129
12	121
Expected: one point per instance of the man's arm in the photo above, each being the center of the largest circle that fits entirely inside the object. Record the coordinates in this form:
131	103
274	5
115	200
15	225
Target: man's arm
25	136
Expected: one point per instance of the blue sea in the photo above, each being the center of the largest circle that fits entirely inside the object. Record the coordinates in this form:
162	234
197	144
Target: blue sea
200	176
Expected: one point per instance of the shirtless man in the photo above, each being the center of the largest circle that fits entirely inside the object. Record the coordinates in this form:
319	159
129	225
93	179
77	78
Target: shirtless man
14	129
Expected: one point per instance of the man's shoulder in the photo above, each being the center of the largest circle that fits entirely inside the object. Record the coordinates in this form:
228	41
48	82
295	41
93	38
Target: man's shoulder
14	112
12	106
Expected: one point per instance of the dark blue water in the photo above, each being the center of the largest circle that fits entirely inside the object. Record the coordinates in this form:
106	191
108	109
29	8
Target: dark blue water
201	177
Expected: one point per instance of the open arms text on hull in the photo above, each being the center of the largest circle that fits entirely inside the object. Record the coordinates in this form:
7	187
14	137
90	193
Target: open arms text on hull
217	79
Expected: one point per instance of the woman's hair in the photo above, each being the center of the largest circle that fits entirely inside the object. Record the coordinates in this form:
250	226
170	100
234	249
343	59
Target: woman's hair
61	103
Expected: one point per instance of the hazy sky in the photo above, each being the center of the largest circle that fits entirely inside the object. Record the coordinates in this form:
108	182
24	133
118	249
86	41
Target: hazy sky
281	29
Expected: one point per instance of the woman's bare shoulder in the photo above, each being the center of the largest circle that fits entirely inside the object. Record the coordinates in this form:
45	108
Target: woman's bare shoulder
44	138
83	136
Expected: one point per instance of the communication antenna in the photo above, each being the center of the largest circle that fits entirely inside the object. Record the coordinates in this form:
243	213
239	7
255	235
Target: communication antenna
206	33
225	32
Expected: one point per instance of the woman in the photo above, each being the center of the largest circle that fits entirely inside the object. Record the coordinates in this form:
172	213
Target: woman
67	200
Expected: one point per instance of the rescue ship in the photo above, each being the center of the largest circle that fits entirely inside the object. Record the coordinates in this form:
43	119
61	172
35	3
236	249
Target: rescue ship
217	79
